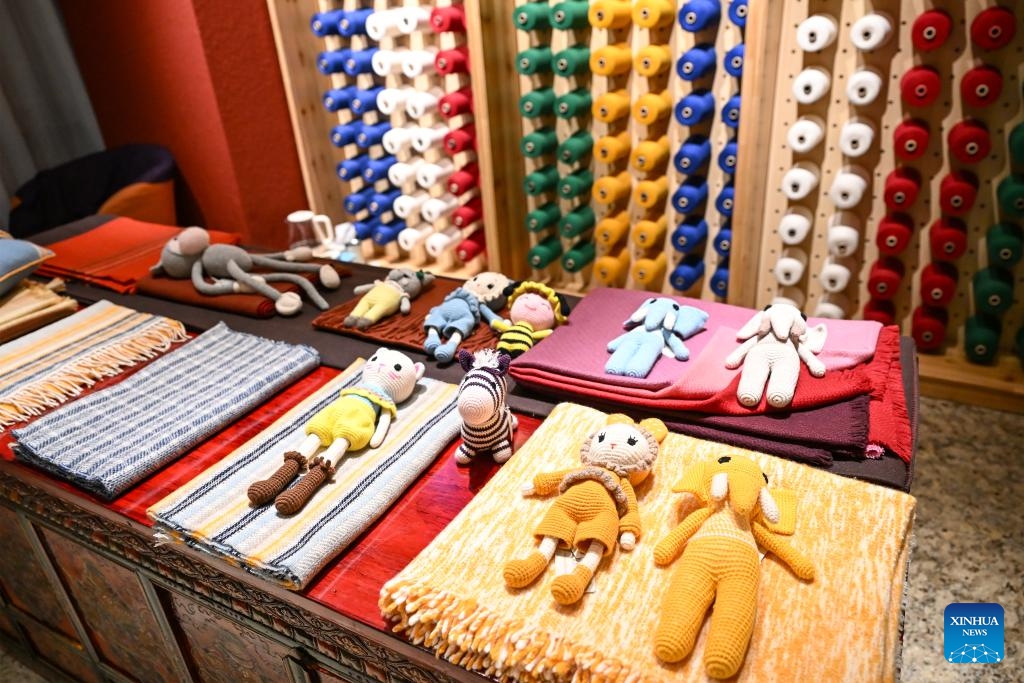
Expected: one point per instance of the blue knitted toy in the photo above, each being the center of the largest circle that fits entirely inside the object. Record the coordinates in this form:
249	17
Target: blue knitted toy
666	325
457	316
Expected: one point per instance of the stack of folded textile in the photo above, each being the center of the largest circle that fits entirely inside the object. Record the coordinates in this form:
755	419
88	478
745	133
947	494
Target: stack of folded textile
853	420
31	305
843	625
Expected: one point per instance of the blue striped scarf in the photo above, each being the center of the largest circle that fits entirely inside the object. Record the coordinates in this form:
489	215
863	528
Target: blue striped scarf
110	440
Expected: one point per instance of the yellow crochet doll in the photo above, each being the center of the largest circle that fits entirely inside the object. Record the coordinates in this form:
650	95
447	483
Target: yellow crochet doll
596	506
720	562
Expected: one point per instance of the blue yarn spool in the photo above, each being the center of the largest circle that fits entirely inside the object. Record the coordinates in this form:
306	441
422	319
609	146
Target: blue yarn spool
693	154
383	201
353	167
728	156
738	12
723	240
354	23
332	62
698	15
365	100
689	196
731	112
360	61
690	234
388	232
696	107
339	98
725	200
364	229
377	169
326	23
345	133
357	201
697	62
686	274
720	281
372	134
733	61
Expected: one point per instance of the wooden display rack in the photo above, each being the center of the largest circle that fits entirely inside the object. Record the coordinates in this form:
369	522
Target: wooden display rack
772	64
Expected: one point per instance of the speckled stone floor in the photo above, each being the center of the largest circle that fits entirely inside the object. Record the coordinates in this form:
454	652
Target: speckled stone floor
969	542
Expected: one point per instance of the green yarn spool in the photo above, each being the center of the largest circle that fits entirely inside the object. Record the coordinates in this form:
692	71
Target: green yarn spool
993	291
1011	196
1005	244
540	181
575	103
536	103
577	221
570	15
543	254
539	142
576	184
533	17
572	60
1016	144
574	260
1018	344
543	217
981	339
576	147
534	60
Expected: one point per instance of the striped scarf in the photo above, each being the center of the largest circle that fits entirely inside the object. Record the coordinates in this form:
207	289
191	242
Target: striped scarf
109	440
212	512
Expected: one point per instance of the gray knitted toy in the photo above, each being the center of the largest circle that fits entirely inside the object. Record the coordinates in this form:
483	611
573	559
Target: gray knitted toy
384	298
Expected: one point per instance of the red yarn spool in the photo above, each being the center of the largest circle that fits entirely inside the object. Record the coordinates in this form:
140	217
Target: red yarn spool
894	233
981	86
921	86
460	140
938	283
472	246
448	19
957	192
969	141
948	239
882	311
453	61
993	28
928	327
468	213
463	180
902	186
884	278
911	138
931	30
455	103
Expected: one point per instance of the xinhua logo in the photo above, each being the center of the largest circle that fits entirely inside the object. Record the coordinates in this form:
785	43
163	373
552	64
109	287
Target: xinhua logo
973	633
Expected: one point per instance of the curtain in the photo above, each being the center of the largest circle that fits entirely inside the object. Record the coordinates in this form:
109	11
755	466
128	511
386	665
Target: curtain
45	114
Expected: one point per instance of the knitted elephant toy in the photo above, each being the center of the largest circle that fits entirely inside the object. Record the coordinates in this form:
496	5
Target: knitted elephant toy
455	318
487	422
720	562
665	325
534	311
361	416
596	506
384	298
190	254
775	340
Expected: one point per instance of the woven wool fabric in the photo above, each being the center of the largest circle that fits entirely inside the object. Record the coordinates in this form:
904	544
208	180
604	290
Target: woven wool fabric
30	306
843	626
109	440
212	512
44	369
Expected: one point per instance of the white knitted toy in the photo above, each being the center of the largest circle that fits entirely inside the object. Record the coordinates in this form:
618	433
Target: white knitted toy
487	422
775	340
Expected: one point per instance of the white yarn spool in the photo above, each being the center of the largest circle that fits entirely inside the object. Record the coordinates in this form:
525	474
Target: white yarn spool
795	225
390	99
856	137
816	32
418	62
424	139
871	31
408	206
387	62
848	187
843	237
383	23
410	19
794	296
833	307
440	242
436	208
806	133
790	267
800	180
421	102
429	175
864	86
811	84
410	237
835	275
402	172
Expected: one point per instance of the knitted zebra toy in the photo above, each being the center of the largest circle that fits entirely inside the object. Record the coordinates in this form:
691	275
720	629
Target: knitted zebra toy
487	422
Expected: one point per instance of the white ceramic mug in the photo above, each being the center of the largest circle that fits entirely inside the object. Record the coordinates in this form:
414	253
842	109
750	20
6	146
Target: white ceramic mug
308	229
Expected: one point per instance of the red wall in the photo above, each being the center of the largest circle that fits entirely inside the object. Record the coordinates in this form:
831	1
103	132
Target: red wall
202	78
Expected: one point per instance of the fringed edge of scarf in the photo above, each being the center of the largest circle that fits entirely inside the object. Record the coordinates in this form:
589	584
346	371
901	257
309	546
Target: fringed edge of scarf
889	420
474	637
71	379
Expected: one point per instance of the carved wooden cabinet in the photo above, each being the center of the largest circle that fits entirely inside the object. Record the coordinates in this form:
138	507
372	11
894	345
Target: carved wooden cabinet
88	595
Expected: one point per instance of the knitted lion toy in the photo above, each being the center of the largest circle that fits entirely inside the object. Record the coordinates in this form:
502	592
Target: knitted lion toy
720	563
596	506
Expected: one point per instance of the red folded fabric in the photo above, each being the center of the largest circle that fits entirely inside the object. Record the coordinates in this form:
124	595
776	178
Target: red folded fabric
116	254
889	425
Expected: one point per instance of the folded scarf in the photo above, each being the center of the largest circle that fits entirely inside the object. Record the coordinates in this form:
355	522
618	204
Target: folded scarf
212	512
45	368
452	600
116	254
111	439
405	331
32	305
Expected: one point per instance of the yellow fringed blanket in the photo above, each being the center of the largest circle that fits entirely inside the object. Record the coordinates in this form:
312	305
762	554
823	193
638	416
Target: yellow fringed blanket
842	627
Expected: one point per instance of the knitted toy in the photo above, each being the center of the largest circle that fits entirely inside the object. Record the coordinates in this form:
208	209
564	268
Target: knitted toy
775	340
487	422
720	561
360	417
596	505
386	297
190	254
665	325
459	314
534	311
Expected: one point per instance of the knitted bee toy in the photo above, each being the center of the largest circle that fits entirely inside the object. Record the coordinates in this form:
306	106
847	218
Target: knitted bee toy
720	561
534	311
596	506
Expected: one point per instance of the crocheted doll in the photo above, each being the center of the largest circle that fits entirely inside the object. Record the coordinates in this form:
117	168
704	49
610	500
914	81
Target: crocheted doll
386	297
360	417
596	505
190	255
534	311
720	561
459	314
665	325
775	340
487	422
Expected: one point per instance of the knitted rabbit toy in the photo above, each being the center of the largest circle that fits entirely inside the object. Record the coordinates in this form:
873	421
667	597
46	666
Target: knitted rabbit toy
360	417
455	318
596	506
534	311
190	255
665	325
775	340
383	298
720	561
487	422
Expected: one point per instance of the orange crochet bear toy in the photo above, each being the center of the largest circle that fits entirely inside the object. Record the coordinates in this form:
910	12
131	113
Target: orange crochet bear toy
720	562
596	506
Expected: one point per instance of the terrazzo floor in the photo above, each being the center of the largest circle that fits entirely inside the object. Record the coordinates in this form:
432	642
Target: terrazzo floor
969	544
